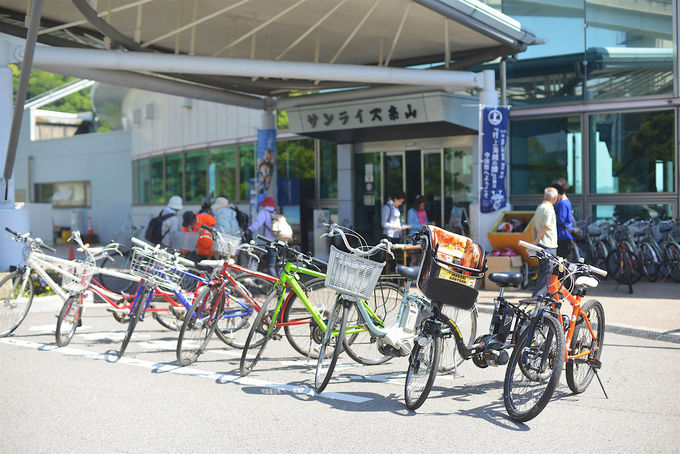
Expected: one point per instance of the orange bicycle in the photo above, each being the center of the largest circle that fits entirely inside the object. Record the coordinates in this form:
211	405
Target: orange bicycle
585	328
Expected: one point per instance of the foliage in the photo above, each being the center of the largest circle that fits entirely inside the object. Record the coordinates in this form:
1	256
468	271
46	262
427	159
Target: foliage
41	82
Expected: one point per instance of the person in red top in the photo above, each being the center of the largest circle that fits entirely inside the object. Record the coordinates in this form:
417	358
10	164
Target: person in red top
193	223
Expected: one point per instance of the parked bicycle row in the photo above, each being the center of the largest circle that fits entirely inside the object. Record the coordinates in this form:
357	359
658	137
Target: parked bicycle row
344	306
632	249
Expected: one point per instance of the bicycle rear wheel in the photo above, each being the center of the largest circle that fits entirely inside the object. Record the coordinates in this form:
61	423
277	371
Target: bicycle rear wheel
302	332
69	318
579	371
239	314
199	324
260	333
362	346
135	315
534	369
673	259
16	293
467	324
649	261
120	264
331	347
422	369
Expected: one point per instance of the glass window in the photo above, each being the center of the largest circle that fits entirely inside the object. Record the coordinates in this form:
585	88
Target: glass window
246	156
295	159
432	172
64	194
393	168
629	50
542	150
140	175
367	190
457	185
328	154
195	188
222	172
157	185
173	175
632	152
625	212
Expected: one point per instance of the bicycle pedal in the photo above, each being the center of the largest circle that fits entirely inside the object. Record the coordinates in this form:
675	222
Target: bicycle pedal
277	337
595	363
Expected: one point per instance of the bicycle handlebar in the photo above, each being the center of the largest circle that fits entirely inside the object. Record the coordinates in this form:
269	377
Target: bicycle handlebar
539	249
384	245
26	238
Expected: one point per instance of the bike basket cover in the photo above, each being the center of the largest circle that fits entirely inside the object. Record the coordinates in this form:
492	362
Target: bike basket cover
443	277
352	275
81	274
159	270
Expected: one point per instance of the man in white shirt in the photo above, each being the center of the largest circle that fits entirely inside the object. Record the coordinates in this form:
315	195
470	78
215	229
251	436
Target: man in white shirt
545	235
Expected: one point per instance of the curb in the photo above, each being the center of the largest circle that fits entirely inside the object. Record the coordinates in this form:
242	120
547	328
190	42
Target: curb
645	333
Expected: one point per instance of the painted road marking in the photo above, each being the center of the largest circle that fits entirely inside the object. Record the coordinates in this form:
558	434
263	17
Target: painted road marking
190	371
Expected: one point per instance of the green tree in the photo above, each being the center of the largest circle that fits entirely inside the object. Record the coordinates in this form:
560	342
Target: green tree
41	82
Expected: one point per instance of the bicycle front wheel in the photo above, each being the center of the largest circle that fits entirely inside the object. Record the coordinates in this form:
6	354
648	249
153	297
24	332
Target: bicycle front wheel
259	334
534	369
199	324
422	369
362	345
650	262
302	332
135	315
69	318
16	293
579	371
233	327
467	324
331	347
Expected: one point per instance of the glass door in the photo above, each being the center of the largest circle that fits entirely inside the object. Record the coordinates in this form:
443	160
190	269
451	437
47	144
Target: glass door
432	185
368	194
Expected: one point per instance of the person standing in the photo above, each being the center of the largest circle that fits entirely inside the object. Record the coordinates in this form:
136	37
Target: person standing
172	222
416	217
263	226
391	217
564	216
545	235
225	217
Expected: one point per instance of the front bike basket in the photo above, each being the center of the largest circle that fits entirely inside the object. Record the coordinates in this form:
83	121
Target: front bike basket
352	275
451	268
78	279
158	268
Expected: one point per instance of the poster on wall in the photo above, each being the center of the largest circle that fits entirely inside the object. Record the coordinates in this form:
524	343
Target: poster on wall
494	139
265	177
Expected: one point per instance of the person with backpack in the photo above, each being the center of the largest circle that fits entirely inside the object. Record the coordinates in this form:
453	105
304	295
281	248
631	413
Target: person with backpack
160	228
263	226
225	217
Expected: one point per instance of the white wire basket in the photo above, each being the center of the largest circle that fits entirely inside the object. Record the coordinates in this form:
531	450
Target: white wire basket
352	275
82	274
225	245
157	268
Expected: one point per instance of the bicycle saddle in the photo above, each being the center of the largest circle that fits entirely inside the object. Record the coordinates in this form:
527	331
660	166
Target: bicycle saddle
409	272
506	279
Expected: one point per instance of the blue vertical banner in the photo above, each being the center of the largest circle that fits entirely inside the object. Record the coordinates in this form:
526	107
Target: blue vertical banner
494	139
265	172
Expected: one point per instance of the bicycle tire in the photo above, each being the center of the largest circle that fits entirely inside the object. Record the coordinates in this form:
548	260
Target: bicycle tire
649	261
624	266
467	325
134	317
422	370
673	258
362	346
121	264
302	332
199	325
233	331
578	372
168	319
16	303
258	336
326	363
526	392
69	318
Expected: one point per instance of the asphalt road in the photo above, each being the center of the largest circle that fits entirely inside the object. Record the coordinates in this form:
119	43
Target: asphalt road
82	398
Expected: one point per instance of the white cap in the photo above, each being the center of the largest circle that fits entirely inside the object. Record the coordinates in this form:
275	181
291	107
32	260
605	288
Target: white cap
220	202
175	202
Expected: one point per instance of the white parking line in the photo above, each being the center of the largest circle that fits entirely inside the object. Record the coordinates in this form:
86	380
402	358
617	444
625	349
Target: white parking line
174	369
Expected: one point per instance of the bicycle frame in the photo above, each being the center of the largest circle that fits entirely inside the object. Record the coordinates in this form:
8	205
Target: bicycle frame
38	262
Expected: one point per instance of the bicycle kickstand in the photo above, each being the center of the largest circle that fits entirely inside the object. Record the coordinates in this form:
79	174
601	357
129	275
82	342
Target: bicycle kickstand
601	385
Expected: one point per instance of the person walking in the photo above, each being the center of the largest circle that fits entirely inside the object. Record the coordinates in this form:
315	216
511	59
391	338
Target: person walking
172	223
416	217
545	235
564	216
391	217
225	217
263	226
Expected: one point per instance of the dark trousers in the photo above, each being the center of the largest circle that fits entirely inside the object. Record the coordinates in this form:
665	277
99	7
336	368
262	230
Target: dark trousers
544	271
564	248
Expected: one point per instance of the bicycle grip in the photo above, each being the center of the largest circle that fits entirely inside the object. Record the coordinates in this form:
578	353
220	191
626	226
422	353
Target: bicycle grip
265	239
526	245
49	248
260	249
11	231
319	262
139	242
599	271
185	262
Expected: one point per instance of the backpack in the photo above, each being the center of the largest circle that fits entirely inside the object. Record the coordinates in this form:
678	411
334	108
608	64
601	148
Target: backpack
154	230
281	230
204	244
242	218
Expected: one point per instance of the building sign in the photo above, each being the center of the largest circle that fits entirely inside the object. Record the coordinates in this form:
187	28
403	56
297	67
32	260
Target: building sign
366	115
494	138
